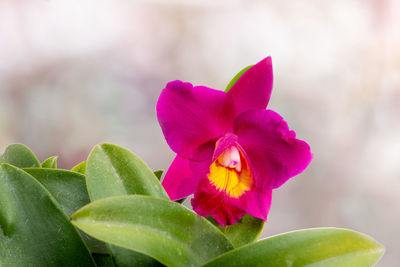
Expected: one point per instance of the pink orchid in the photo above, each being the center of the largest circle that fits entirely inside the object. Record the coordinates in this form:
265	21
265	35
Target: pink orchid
231	151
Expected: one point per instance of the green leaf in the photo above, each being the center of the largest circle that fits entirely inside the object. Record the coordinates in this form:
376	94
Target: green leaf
236	78
158	174
69	189
81	167
34	231
127	258
2	159
245	231
322	247
103	260
20	156
113	170
159	228
50	163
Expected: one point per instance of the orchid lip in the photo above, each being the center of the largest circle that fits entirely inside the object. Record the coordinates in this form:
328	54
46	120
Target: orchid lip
230	172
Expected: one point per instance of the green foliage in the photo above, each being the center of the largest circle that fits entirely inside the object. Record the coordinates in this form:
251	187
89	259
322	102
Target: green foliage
20	156
158	174
159	228
112	171
131	211
67	187
103	260
311	247
34	229
2	159
81	167
245	231
50	163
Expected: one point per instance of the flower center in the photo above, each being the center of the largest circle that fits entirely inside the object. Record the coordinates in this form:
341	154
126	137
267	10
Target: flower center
230	172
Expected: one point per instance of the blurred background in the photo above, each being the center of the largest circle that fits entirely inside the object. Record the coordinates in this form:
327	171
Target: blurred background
76	74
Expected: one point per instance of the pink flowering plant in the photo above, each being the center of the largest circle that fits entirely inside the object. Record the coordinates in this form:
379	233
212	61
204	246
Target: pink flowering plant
112	210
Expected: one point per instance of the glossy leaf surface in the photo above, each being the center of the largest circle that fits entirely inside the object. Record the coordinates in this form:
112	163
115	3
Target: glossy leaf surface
20	156
34	230
159	228
328	247
112	170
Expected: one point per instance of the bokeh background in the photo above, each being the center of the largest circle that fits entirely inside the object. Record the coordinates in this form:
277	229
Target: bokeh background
74	74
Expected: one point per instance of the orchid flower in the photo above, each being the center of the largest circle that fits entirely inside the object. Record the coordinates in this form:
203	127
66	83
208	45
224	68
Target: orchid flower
231	151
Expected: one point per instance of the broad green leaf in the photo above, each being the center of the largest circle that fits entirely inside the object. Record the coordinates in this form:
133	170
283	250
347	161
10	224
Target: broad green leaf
158	174
81	167
111	171
34	230
127	258
318	247
245	231
20	156
103	260
69	189
162	229
2	159
50	163
236	78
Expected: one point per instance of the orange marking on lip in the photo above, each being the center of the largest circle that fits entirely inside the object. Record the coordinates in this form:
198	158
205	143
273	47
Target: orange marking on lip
230	172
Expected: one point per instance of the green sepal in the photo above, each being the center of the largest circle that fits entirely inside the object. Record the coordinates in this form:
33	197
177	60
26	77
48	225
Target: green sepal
236	78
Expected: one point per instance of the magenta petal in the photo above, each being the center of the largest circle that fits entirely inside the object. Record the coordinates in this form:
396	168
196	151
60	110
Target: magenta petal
183	176
208	200
258	203
253	89
274	152
191	117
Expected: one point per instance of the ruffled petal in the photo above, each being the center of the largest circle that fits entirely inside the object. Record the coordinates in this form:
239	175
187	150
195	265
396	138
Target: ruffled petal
273	150
259	203
183	176
253	89
208	200
192	117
